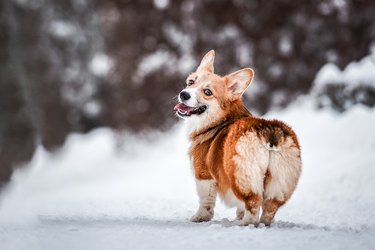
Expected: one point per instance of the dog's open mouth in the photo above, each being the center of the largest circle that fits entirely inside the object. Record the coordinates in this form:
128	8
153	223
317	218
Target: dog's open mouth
184	110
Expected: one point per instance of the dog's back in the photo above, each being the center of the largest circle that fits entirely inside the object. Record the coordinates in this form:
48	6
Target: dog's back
250	162
255	162
265	161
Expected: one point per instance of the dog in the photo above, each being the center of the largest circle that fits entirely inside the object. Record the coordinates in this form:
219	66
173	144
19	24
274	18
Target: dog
252	163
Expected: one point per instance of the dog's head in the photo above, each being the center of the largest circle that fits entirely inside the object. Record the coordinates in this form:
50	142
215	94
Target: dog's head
207	96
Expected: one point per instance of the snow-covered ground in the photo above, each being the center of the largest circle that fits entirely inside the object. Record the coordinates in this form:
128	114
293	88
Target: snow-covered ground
99	193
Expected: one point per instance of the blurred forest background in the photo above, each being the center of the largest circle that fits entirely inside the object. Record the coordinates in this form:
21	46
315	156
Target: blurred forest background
75	65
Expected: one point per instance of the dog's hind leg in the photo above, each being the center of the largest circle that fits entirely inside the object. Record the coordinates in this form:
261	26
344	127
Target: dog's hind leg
251	212
251	160
240	213
280	180
207	191
269	209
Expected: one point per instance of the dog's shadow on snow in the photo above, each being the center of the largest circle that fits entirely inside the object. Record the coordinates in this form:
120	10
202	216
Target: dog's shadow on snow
287	226
224	224
278	225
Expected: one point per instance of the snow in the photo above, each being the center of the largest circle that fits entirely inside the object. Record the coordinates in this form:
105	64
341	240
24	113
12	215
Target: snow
285	45
184	43
355	74
34	4
154	62
161	4
362	72
63	29
329	73
92	108
100	64
164	60
104	190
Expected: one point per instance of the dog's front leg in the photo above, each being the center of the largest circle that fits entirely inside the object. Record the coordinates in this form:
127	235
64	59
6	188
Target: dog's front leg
207	191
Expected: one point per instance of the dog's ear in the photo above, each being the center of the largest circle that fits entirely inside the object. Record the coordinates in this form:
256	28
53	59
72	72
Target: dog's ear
207	63
238	82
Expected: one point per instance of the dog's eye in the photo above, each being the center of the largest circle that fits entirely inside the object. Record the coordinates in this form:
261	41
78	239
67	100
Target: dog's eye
190	82
207	92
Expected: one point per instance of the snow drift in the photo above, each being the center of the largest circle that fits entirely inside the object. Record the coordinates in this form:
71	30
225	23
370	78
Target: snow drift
131	189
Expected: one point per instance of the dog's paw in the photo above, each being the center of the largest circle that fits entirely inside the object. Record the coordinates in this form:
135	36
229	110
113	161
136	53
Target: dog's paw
267	221
200	218
202	215
245	223
247	220
241	223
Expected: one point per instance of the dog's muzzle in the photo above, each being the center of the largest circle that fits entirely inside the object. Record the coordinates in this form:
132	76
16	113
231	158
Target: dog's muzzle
184	110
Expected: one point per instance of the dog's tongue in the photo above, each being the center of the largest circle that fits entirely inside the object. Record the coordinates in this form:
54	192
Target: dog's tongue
183	108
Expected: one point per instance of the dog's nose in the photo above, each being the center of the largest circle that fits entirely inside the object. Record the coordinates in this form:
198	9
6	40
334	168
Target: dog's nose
184	96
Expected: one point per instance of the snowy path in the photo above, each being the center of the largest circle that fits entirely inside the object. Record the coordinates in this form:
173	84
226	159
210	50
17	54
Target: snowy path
179	234
92	196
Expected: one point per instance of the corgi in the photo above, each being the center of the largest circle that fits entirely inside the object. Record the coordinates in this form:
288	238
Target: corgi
252	163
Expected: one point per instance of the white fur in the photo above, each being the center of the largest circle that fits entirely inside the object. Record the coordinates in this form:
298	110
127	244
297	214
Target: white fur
254	158
249	218
207	192
251	160
230	200
285	167
193	101
213	113
196	122
192	122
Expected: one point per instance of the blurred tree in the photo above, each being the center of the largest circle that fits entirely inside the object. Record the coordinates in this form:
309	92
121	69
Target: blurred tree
17	133
285	41
51	66
76	65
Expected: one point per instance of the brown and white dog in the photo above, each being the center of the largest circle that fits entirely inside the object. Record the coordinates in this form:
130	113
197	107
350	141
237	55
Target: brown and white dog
250	162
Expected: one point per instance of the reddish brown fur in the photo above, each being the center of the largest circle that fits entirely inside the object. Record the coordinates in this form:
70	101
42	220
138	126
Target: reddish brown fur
270	208
267	178
213	147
